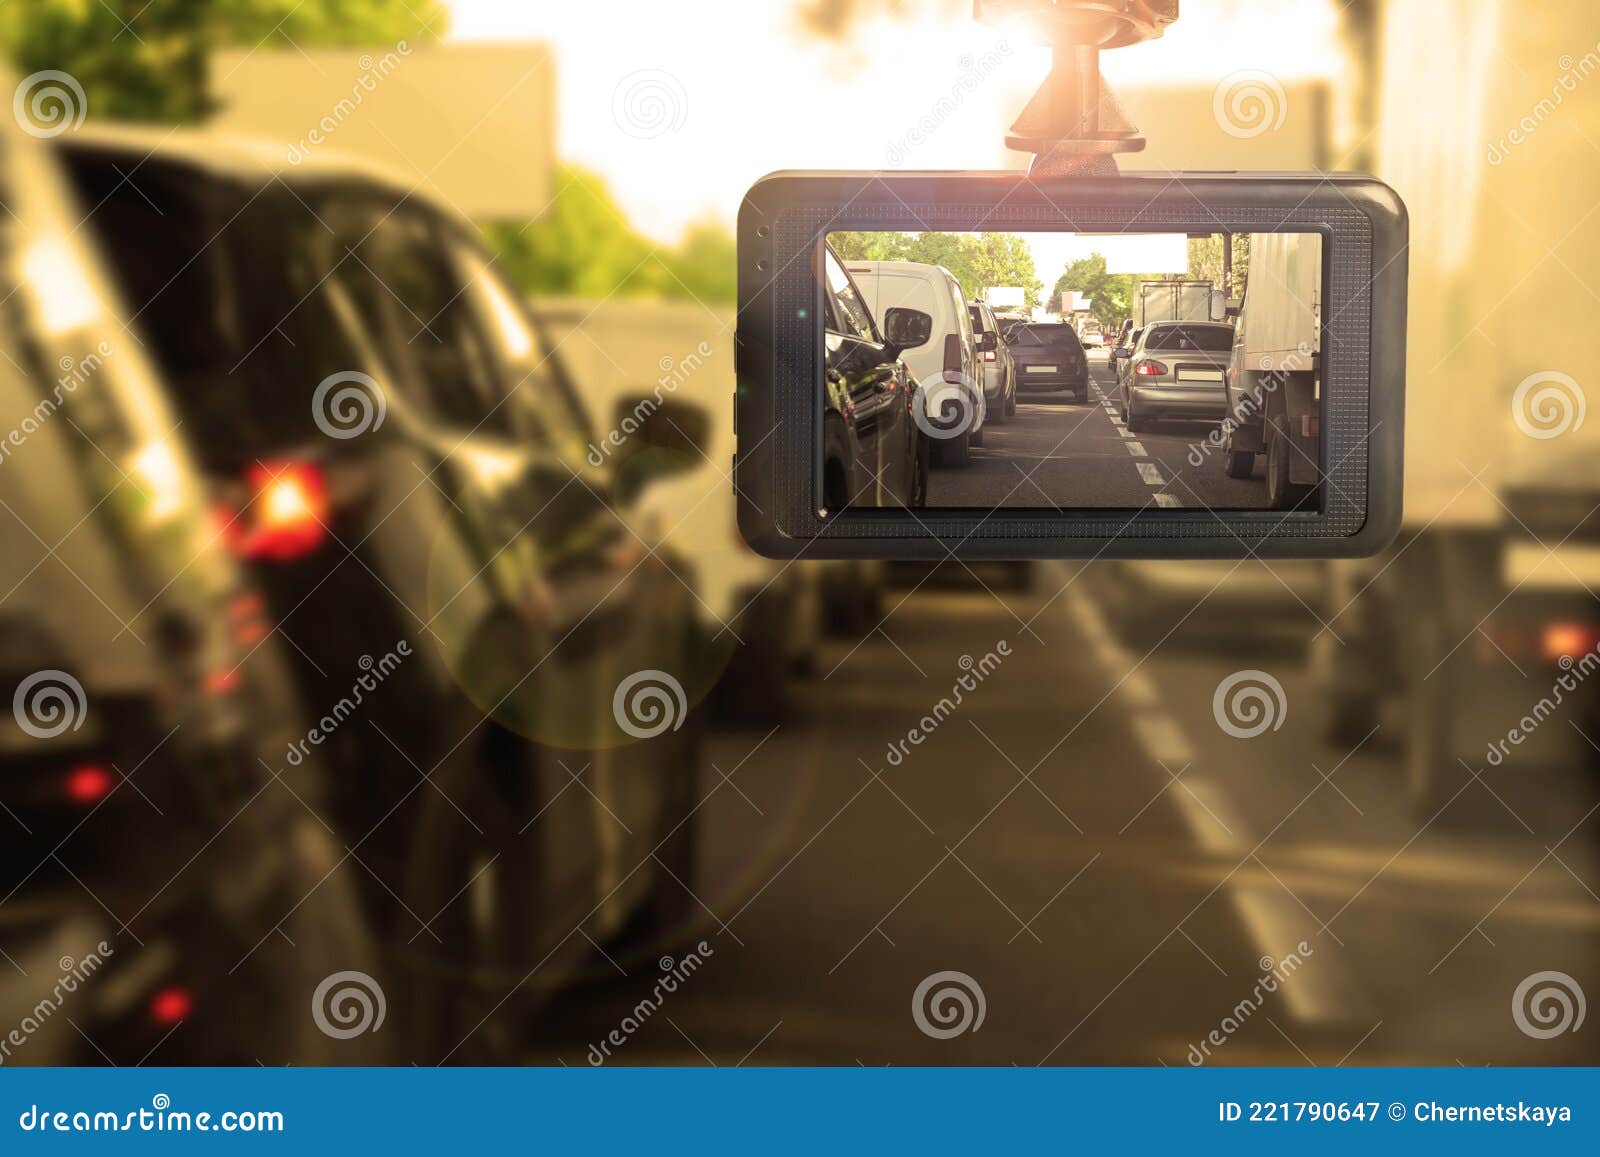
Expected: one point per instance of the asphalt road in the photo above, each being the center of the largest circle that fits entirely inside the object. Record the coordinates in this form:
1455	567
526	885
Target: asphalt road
1112	870
1057	453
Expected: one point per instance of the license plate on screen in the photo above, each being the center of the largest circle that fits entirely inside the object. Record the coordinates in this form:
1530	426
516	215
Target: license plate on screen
1200	376
1042	369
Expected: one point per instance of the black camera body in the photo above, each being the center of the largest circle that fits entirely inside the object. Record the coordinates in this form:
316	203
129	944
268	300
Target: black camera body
1359	395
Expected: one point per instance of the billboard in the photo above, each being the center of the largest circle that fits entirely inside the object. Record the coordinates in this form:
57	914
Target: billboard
474	124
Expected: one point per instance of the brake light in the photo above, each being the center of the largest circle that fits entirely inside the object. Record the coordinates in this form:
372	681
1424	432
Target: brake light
88	783
1567	640
1150	368
171	1004
286	514
990	356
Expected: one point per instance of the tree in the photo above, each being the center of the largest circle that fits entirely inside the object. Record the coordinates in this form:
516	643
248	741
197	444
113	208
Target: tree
1111	294
583	246
147	59
979	261
1205	260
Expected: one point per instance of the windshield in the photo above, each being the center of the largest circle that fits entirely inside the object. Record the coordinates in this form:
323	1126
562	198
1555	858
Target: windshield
1055	336
1195	338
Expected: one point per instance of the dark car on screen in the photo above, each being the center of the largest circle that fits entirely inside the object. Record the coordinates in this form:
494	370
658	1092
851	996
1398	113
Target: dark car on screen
874	452
1049	357
501	663
168	893
1177	370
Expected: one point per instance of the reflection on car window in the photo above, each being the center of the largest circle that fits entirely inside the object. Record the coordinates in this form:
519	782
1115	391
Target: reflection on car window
1195	338
853	313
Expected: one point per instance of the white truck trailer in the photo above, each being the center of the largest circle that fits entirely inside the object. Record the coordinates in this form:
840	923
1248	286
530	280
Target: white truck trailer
1173	301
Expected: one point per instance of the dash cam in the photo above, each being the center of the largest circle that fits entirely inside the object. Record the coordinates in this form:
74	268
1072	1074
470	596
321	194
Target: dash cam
998	365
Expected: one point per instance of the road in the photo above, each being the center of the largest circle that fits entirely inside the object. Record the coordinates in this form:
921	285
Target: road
1059	453
1113	871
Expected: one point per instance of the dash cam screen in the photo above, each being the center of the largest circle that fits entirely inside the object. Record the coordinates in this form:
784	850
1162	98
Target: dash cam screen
1066	371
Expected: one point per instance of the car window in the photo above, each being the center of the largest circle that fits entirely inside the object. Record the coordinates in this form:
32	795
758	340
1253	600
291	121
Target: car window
540	407
1044	335
1194	338
960	301
440	342
851	311
978	325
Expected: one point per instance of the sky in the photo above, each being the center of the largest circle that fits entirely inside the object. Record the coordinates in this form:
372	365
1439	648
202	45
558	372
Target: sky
682	107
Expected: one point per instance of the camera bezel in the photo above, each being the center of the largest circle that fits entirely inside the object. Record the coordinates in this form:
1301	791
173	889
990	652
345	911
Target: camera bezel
777	472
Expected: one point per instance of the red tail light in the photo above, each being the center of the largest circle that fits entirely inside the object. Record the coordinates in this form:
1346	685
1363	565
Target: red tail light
990	356
171	1005
1150	368
88	783
286	512
1567	640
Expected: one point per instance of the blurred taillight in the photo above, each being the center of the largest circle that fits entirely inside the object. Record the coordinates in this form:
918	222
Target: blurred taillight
1150	368
990	356
88	783
1567	640
286	512
170	1005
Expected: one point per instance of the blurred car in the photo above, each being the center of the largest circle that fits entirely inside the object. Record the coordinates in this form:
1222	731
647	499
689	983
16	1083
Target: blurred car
873	451
999	367
391	454
1049	356
1122	353
1178	369
168	888
947	365
766	614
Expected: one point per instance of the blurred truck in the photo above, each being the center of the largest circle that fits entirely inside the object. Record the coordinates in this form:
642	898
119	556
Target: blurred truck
1173	301
1274	375
1472	636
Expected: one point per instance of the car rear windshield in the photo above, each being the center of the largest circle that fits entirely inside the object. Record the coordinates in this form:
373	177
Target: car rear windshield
1212	339
1054	336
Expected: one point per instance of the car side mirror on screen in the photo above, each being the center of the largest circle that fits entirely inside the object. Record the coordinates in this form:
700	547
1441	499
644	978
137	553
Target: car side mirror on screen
906	329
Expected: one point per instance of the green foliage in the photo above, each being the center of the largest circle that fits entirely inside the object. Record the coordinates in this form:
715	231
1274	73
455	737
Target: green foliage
1205	260
1112	294
979	261
583	246
147	59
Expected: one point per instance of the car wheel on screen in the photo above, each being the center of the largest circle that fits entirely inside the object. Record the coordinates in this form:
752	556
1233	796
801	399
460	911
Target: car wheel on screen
1241	463
956	451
